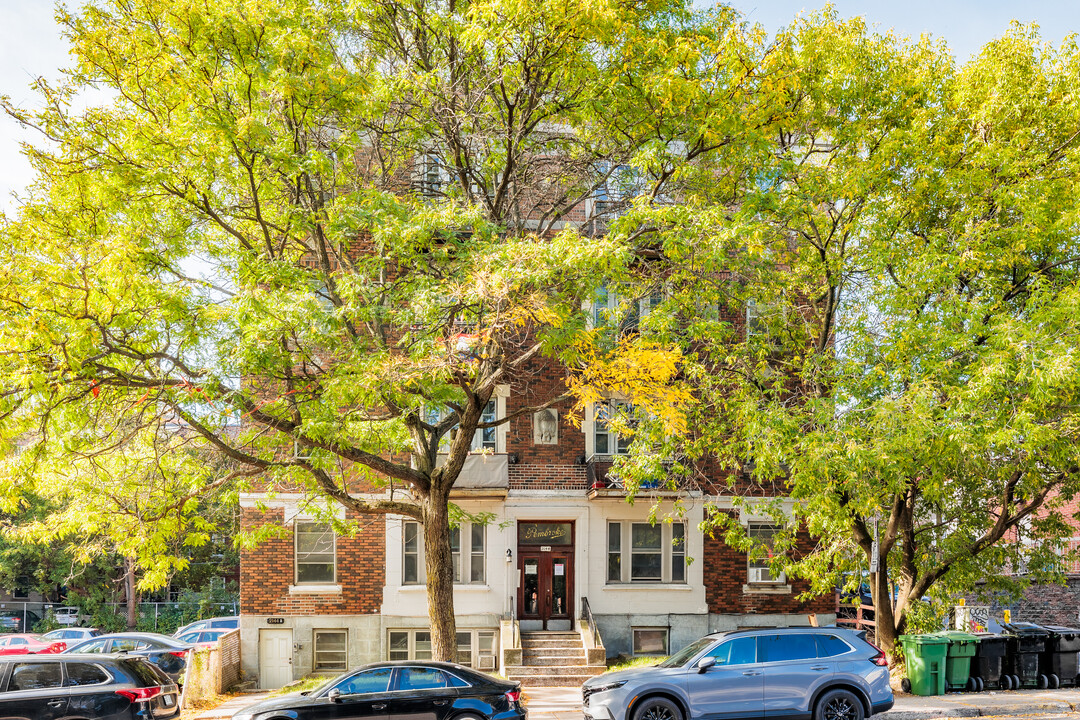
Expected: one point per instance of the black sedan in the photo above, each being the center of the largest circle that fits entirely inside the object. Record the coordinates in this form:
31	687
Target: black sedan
167	653
427	690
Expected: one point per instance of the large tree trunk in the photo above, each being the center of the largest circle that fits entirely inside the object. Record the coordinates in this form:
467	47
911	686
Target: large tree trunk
885	628
440	579
130	596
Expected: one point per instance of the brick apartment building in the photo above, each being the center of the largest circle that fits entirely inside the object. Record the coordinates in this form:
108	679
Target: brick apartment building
560	535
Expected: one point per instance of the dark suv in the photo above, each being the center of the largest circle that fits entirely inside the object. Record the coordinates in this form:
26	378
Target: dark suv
819	673
96	687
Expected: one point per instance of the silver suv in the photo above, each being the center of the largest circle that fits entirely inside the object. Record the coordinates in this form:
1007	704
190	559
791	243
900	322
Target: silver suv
818	673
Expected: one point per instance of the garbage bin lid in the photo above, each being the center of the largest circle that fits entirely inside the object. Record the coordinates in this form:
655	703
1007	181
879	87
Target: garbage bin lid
1030	629
924	639
1062	630
959	636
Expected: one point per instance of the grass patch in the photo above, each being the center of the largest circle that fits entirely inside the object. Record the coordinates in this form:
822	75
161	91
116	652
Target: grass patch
625	663
304	684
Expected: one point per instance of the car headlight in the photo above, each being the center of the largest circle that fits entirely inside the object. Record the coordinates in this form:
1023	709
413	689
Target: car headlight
608	686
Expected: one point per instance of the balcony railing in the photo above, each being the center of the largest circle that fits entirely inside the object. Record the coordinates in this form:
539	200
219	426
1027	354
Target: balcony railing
483	472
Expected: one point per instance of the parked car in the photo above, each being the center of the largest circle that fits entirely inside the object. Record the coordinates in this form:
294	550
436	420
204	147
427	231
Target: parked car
218	623
67	615
72	635
95	687
202	638
169	654
12	620
432	690
820	673
22	644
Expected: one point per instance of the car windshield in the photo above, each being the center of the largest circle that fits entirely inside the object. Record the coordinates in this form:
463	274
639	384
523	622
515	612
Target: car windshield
683	656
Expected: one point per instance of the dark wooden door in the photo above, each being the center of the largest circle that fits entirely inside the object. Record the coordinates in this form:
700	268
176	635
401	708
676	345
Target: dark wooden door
547	585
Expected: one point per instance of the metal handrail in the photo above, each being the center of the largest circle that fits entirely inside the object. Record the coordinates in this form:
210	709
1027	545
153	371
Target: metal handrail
586	612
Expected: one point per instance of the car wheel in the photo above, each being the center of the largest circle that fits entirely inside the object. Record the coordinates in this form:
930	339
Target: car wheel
657	708
839	705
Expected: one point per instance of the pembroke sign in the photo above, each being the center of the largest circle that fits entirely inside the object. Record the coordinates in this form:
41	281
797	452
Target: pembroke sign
534	533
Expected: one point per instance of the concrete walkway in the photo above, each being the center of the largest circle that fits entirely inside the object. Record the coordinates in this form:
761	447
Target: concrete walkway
564	703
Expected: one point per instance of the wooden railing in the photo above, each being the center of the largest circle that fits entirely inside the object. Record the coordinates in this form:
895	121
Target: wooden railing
854	614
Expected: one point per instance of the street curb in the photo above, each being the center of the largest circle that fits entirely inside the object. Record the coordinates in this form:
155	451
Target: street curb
961	710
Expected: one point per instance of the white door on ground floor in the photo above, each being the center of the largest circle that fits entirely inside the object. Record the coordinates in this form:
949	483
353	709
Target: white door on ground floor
275	658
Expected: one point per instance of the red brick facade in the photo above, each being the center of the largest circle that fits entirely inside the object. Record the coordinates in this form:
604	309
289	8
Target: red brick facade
267	571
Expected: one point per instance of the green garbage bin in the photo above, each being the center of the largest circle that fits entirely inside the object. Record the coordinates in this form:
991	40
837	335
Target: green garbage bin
962	647
925	656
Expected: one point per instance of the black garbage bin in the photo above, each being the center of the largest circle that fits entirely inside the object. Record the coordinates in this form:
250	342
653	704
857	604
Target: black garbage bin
988	665
1026	642
1059	662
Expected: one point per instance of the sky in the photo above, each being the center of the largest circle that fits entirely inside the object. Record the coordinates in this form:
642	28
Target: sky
31	46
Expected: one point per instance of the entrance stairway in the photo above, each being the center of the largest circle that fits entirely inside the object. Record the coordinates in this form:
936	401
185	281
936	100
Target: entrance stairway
552	659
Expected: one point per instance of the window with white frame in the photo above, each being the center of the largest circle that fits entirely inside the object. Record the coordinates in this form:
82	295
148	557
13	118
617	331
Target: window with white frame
641	552
758	570
468	547
409	645
650	641
431	175
475	648
314	552
609	309
331	650
605	441
485	439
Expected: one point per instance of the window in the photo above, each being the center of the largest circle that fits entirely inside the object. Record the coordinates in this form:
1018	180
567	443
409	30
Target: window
330	650
369	681
831	646
606	442
410	645
646	553
34	676
314	553
758	571
650	641
788	648
469	559
85	674
475	648
430	175
609	309
421	678
739	651
484	439
95	646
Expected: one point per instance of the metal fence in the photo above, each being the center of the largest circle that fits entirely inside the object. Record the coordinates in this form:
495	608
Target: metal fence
153	616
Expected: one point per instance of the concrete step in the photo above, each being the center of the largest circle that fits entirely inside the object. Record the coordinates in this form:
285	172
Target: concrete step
532	681
528	660
550	634
553	651
568	642
547	670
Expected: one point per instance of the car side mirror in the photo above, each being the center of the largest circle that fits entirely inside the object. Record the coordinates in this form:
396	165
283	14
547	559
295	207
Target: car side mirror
705	664
334	695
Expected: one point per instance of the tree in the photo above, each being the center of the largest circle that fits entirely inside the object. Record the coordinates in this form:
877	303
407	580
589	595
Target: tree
379	192
897	343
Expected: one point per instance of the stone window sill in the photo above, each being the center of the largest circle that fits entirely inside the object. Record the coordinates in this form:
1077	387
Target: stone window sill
315	589
766	589
648	586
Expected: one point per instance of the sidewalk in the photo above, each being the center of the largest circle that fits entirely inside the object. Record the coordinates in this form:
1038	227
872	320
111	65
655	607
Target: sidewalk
564	703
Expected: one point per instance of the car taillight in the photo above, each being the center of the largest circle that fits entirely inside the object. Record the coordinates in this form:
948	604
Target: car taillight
513	695
880	658
58	647
140	694
179	653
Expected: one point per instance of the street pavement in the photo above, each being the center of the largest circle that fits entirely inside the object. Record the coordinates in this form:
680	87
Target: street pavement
565	704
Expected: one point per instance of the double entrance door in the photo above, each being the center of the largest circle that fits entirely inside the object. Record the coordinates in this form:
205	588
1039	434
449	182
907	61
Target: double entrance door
546	592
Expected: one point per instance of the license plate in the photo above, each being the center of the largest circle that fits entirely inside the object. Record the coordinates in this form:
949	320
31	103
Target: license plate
169	700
